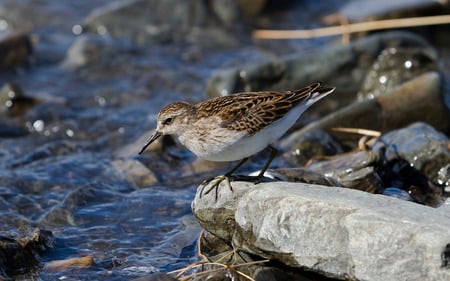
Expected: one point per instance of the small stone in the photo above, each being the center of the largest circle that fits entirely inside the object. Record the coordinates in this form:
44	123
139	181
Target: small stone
135	172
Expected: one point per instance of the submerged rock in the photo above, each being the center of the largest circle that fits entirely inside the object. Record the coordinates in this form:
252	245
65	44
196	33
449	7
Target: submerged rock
338	232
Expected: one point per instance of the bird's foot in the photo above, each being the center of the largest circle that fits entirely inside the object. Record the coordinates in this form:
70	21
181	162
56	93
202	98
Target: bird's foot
229	178
217	181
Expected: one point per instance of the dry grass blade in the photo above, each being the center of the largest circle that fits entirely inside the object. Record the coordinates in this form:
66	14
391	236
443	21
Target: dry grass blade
351	28
359	131
368	136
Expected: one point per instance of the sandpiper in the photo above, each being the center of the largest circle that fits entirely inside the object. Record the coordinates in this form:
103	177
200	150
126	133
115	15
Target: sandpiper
237	126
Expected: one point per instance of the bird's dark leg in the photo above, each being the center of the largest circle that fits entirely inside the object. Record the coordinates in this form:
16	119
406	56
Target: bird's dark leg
273	153
229	175
220	179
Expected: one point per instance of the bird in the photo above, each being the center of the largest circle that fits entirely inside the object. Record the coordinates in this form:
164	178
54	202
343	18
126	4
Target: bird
235	127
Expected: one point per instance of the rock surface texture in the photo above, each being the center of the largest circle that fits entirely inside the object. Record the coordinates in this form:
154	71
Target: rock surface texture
342	233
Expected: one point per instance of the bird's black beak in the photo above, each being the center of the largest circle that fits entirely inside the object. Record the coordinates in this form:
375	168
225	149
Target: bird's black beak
151	139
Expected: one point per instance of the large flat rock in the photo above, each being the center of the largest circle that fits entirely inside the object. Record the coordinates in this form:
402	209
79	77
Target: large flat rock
340	232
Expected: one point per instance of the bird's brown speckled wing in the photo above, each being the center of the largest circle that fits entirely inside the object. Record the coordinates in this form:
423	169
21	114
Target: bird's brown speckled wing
254	110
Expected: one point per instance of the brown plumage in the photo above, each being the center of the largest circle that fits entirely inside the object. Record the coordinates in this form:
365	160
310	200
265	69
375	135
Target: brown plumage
252	111
237	126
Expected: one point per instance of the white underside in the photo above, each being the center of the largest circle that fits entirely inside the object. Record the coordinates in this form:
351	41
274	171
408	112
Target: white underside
240	145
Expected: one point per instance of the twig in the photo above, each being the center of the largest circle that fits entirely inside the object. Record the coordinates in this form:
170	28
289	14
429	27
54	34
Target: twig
350	28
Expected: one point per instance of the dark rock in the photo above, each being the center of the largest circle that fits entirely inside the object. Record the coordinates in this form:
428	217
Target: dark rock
354	170
19	250
419	144
15	50
398	173
302	175
310	145
443	177
13	101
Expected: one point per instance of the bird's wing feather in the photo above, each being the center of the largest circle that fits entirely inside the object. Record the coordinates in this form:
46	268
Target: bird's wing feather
255	110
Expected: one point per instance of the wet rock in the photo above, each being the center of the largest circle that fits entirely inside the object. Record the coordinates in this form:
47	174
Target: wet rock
356	170
15	50
134	172
146	22
310	145
301	175
13	101
398	173
337	232
443	177
426	149
418	100
294	71
19	250
183	236
393	67
63	213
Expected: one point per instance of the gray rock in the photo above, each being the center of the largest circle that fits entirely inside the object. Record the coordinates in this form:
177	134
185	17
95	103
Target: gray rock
419	144
339	232
352	170
134	172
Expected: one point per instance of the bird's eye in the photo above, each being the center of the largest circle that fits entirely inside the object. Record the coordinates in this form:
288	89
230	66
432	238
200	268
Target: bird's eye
168	121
